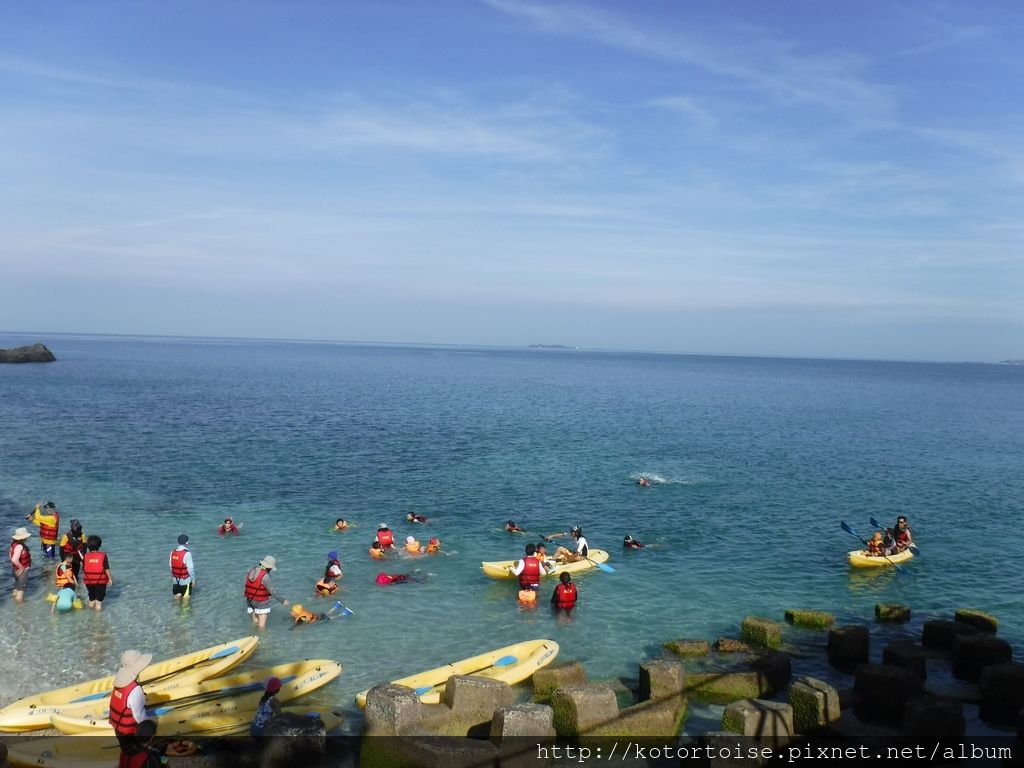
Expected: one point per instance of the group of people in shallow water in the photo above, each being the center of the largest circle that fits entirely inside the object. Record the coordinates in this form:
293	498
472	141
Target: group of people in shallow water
893	541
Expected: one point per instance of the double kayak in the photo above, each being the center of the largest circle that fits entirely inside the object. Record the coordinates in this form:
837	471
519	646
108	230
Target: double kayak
91	717
859	558
499	569
103	751
228	712
34	712
511	664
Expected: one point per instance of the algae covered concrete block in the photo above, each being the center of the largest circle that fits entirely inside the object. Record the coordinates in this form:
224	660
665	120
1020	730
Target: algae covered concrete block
731	645
883	692
294	739
1002	690
684	647
810	619
892	612
579	709
471	695
392	710
814	702
849	645
776	669
529	720
932	720
939	633
761	632
661	680
906	654
972	653
768	722
985	622
553	676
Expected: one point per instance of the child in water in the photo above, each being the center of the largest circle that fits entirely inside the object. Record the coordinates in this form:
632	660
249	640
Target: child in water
412	517
301	616
511	527
228	526
340	524
630	543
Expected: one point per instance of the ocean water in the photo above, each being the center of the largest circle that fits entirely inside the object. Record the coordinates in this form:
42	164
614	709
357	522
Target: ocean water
756	462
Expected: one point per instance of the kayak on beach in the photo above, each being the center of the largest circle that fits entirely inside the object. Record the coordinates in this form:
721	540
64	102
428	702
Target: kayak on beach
511	664
859	558
226	714
499	569
34	712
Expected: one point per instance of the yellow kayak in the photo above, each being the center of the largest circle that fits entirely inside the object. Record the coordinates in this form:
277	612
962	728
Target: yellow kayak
92	715
511	665
225	714
860	559
103	751
499	569
34	712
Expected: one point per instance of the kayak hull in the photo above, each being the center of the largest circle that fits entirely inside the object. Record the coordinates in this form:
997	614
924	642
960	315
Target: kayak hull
520	661
34	712
213	714
858	559
499	569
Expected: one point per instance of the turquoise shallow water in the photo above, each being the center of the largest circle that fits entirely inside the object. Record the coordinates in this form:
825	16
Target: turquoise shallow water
758	459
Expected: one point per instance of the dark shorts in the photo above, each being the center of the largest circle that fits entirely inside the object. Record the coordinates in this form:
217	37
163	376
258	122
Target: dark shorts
50	550
180	589
21	580
96	592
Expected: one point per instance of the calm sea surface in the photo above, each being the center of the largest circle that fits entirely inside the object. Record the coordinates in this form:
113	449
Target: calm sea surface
758	461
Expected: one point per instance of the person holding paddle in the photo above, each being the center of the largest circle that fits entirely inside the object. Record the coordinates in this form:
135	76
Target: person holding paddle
567	556
902	534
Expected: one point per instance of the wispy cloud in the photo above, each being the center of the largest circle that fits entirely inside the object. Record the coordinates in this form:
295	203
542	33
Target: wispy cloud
687	106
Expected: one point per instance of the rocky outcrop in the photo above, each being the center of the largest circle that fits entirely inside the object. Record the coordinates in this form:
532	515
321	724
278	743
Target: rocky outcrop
37	353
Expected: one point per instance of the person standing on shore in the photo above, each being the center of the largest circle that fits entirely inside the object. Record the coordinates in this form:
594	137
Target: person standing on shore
21	561
48	519
74	542
128	701
183	570
96	572
258	592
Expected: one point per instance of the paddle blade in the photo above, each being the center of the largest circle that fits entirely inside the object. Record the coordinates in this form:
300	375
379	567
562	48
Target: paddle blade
504	661
847	528
874	523
604	567
226	652
346	612
914	550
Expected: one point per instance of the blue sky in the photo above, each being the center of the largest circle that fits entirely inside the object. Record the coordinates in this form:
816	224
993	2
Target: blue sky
798	178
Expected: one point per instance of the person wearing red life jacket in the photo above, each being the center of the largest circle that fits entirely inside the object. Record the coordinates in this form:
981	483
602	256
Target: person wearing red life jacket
96	572
21	560
141	753
74	542
128	701
183	570
902	535
529	569
228	526
565	595
48	519
385	537
258	592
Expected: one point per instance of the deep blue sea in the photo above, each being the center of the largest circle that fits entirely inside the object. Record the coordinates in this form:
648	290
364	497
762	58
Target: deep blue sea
757	461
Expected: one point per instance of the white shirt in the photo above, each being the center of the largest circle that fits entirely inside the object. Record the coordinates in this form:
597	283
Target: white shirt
581	546
335	571
137	704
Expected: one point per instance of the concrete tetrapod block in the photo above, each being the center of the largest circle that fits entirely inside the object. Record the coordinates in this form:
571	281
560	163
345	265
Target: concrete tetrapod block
892	612
476	697
814	702
883	692
849	646
429	752
940	633
980	620
810	619
776	667
731	645
930	720
580	709
535	721
906	654
1002	691
661	680
294	739
767	722
392	710
972	653
557	675
683	647
761	632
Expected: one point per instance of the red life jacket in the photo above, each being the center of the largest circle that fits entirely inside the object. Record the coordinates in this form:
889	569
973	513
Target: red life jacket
223	529
255	592
73	544
137	758
565	595
530	575
386	539
902	535
178	568
121	717
49	532
25	559
94	571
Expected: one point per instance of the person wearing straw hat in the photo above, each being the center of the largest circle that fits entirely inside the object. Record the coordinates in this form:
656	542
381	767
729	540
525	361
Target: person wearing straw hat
258	592
21	561
183	570
128	700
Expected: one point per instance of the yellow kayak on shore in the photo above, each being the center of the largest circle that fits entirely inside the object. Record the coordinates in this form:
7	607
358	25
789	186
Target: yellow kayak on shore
511	664
228	713
103	751
163	702
34	712
499	569
859	558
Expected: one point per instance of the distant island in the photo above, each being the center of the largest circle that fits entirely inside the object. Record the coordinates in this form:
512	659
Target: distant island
37	353
550	346
1012	362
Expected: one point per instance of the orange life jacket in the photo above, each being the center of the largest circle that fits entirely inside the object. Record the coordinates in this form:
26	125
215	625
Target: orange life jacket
304	616
121	717
565	595
326	587
530	575
47	532
376	554
65	576
386	539
93	569
874	547
255	592
178	568
24	559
